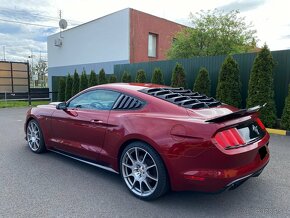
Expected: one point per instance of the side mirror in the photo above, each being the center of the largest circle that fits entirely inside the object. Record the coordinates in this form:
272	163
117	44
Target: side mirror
61	106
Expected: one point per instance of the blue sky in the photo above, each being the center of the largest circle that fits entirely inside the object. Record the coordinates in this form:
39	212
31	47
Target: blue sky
25	25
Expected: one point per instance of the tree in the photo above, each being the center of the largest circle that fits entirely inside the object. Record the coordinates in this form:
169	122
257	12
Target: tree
93	79
61	90
285	119
229	83
202	82
141	76
83	81
213	32
102	77
113	79
76	84
178	76
157	77
68	87
41	69
126	77
261	86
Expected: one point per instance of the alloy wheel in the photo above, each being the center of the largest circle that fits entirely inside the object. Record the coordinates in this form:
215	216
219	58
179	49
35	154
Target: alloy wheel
33	136
140	171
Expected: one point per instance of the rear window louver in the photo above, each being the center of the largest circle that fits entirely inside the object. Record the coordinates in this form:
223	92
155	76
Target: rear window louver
128	103
183	97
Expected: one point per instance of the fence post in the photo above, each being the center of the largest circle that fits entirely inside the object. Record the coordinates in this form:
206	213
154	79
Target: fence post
5	96
28	78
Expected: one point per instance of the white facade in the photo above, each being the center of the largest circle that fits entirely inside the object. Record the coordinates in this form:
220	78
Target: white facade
100	43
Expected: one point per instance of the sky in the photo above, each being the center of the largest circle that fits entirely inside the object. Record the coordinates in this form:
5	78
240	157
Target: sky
25	25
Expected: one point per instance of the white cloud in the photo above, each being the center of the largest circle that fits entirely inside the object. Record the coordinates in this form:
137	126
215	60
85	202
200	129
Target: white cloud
270	18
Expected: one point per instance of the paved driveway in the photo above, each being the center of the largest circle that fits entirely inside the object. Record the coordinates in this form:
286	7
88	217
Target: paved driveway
50	185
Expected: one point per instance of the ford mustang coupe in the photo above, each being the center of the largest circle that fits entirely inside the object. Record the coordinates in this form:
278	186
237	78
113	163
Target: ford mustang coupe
156	137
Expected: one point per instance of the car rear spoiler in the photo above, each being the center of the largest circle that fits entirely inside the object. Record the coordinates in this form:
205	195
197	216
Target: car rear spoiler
237	114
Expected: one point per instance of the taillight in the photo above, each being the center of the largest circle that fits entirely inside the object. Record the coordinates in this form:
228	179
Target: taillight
229	138
259	122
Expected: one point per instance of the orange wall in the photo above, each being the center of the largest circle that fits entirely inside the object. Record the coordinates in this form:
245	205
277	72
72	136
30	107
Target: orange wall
141	24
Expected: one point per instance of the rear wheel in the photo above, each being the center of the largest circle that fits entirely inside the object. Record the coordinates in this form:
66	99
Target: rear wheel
143	171
34	137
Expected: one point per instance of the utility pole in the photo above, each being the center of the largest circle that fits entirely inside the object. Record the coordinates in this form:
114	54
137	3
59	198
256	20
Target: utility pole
4	59
31	70
59	26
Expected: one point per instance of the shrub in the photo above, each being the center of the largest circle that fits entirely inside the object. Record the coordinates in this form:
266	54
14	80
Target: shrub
285	119
261	86
61	90
157	77
102	77
68	87
141	76
113	79
126	77
76	84
178	76
229	83
202	82
83	81
93	79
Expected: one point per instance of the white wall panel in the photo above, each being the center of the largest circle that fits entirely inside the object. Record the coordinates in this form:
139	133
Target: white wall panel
102	40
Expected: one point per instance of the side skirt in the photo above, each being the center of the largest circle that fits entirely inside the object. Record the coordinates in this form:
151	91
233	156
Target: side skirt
84	161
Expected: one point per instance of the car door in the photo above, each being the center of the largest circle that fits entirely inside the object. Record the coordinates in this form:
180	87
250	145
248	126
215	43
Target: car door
81	128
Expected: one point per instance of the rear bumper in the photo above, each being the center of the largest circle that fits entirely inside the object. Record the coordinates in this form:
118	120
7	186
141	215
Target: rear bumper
214	171
236	183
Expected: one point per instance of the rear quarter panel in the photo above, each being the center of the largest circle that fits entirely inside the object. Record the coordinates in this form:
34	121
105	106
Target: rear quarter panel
170	135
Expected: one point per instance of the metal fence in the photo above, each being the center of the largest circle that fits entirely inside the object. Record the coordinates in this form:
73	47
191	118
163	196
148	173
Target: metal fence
213	64
15	83
14	77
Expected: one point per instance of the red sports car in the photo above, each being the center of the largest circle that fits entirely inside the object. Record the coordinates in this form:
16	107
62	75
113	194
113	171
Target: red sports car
157	137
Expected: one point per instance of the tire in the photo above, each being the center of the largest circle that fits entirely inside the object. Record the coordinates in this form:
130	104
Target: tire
34	137
144	174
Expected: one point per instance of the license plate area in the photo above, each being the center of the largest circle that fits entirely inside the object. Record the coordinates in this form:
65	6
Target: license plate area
263	152
251	132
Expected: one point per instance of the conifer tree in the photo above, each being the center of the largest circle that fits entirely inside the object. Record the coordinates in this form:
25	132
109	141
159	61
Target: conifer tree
178	76
229	83
93	79
76	84
202	82
113	79
126	77
141	76
68	87
261	86
285	119
157	77
102	77
61	90
83	81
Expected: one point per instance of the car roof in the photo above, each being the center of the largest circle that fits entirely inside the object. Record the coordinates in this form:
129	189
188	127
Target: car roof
129	86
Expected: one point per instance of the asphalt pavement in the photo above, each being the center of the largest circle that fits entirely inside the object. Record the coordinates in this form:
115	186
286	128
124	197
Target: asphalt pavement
50	185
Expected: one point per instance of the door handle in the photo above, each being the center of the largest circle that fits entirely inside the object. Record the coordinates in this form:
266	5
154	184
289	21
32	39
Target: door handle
97	121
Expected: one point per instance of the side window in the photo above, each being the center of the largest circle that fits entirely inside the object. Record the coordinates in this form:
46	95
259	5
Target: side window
95	100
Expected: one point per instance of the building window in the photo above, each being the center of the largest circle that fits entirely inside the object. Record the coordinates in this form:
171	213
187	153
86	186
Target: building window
152	45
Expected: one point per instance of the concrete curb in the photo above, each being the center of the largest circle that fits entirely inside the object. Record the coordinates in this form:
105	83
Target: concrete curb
278	131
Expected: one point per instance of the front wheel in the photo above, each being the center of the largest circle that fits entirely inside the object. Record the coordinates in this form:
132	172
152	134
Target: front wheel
35	137
143	171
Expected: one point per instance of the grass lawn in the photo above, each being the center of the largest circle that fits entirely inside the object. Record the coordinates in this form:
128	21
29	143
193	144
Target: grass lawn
4	104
